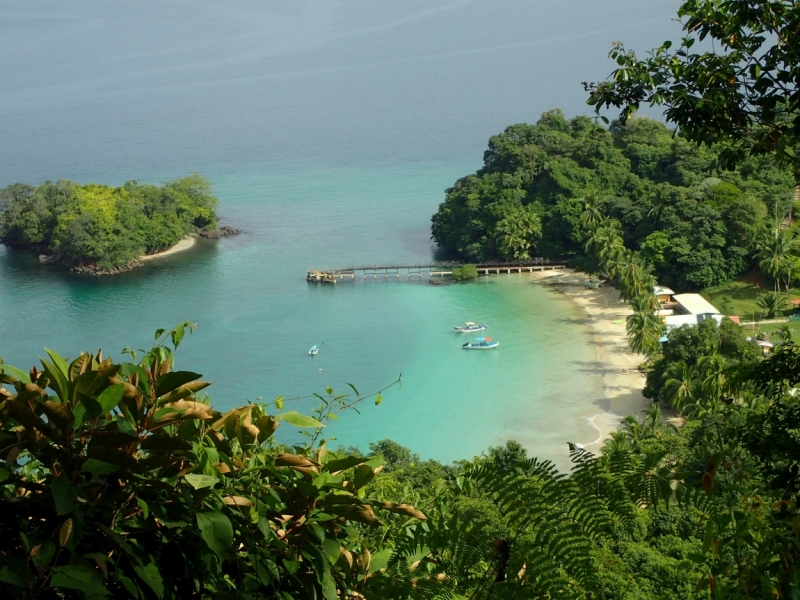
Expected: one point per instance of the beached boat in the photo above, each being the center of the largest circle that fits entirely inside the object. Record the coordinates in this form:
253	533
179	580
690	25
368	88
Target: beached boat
314	350
481	344
470	326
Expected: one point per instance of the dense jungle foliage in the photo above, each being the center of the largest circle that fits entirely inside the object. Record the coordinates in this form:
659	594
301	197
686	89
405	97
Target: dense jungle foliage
99	224
697	225
119	479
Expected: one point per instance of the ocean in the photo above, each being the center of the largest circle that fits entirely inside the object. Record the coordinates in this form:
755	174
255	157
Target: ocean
330	130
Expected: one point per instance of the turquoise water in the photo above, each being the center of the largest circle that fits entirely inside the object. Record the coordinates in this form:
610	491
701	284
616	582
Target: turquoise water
330	130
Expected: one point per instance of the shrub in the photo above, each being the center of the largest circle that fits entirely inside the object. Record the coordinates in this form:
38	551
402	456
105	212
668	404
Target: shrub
118	480
465	272
773	304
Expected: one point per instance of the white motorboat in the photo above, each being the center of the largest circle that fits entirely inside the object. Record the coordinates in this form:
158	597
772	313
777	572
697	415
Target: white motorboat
470	326
314	350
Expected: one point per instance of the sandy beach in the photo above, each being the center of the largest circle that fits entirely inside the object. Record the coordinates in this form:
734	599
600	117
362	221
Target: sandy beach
186	243
616	362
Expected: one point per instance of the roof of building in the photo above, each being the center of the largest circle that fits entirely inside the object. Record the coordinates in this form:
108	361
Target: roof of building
695	304
680	320
660	290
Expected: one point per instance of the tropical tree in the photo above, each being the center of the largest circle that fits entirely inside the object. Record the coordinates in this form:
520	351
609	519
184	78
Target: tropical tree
592	215
786	333
517	232
777	254
739	90
644	331
773	304
681	387
634	275
660	198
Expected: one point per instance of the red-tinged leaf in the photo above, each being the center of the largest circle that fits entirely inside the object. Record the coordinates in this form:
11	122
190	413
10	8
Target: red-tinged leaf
293	460
237	501
355	512
403	509
65	532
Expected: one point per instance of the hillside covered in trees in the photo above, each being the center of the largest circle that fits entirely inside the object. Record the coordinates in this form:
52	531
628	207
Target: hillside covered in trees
695	224
101	225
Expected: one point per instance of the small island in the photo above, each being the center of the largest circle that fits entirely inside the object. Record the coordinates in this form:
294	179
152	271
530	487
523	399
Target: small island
100	229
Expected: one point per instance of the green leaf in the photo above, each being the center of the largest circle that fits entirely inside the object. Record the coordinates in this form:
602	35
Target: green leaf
171	381
380	560
10	577
86	408
177	335
110	397
295	418
340	464
150	575
4	474
64	494
99	467
58	361
279	402
199	482
58	381
15	372
159	332
78	577
143	505
129	369
332	549
217	532
378	400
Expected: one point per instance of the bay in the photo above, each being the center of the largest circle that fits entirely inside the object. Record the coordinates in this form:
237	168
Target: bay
330	130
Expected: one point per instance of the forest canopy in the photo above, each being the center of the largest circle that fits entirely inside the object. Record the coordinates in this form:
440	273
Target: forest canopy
104	225
698	225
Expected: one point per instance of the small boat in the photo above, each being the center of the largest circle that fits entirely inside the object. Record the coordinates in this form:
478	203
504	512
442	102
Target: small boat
470	326
314	350
481	344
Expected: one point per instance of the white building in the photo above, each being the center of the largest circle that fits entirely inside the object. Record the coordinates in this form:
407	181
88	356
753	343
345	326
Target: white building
684	309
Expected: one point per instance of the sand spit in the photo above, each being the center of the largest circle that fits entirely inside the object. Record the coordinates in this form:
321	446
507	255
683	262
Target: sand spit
186	243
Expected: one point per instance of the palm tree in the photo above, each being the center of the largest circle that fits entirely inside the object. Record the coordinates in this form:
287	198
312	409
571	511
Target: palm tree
680	386
714	382
786	333
776	255
644	330
659	199
592	215
617	441
516	232
633	431
653	421
773	304
635	275
645	302
611	254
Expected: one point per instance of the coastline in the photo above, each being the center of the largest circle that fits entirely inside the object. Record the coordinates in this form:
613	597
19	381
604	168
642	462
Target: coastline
185	244
617	363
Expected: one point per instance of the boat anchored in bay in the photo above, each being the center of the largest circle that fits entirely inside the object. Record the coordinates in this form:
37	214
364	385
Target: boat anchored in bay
481	344
470	326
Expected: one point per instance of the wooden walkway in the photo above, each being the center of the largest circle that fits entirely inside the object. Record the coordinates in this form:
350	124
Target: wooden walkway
433	269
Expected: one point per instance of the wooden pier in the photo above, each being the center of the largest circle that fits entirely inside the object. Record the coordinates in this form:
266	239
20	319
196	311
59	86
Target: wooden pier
433	269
